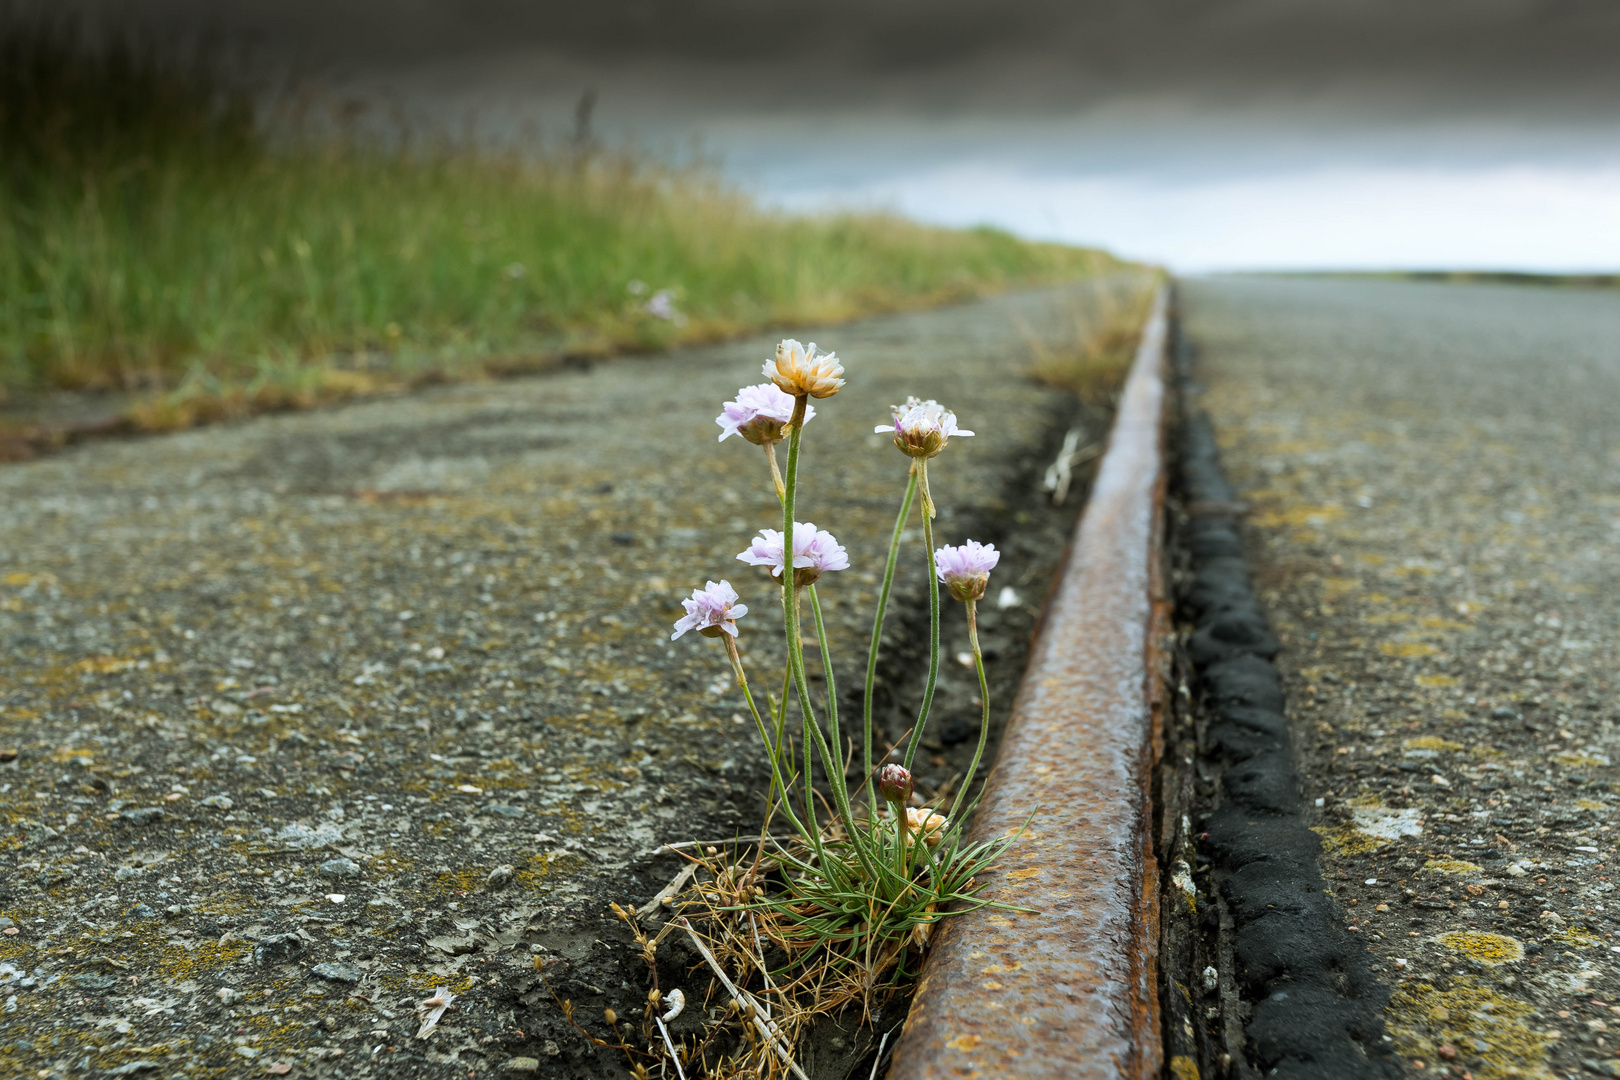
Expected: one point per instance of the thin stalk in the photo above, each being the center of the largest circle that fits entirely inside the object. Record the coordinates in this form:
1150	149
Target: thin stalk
877	629
790	612
984	697
933	616
759	722
901	863
834	761
780	716
776	473
833	733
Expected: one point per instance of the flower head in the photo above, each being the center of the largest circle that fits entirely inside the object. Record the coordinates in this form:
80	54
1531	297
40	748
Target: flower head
966	570
760	414
800	370
894	784
926	825
920	428
712	611
815	552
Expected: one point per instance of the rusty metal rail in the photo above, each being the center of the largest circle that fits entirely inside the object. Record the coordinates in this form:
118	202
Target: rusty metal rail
1071	991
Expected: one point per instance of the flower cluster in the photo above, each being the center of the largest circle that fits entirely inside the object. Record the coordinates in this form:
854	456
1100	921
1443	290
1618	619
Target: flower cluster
884	847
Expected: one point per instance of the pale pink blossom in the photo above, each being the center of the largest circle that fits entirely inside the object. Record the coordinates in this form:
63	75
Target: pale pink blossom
815	552
921	428
966	570
713	610
801	371
760	414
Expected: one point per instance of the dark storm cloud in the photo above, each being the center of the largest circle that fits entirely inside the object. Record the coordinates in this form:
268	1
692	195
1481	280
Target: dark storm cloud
1018	54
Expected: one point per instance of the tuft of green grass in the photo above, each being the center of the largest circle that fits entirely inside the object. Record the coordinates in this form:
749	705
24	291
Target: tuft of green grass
159	235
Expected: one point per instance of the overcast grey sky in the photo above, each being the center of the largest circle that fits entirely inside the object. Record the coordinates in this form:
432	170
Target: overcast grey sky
1203	133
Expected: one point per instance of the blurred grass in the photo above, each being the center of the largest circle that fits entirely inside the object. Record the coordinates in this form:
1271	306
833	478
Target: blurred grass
156	237
1093	358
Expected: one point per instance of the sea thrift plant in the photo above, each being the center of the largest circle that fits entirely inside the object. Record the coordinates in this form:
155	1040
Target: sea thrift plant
861	889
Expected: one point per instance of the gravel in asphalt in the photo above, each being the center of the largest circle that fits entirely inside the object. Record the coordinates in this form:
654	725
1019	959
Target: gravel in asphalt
305	718
1430	472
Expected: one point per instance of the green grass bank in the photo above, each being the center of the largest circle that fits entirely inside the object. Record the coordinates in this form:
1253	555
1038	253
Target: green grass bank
157	238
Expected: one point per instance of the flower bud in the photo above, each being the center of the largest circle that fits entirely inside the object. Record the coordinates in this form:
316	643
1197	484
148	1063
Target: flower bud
894	784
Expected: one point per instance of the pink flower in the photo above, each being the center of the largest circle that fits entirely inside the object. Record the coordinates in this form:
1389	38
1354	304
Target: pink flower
815	552
921	428
966	570
801	371
760	414
712	611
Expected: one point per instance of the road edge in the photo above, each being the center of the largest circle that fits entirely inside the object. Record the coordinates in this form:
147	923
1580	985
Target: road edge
1289	980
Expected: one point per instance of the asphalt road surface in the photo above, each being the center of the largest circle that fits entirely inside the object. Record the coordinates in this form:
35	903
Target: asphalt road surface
304	718
1434	504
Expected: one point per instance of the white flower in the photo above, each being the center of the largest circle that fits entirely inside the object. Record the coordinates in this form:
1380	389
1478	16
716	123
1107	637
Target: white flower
801	371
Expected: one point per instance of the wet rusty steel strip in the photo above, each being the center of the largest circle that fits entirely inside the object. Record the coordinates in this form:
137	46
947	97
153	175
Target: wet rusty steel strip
1071	991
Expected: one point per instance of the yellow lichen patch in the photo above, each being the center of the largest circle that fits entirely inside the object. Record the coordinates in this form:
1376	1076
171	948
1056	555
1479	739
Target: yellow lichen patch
1431	742
1434	622
1408	648
1302	515
102	665
1345	840
1486	948
1578	937
1590	804
1449	866
179	962
1468	1015
1582	761
1436	680
1335	588
542	866
426	982
1183	1067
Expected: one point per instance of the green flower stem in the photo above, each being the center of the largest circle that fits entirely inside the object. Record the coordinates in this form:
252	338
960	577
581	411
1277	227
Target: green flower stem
984	697
759	722
780	716
901	862
877	630
834	761
790	612
834	735
933	617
